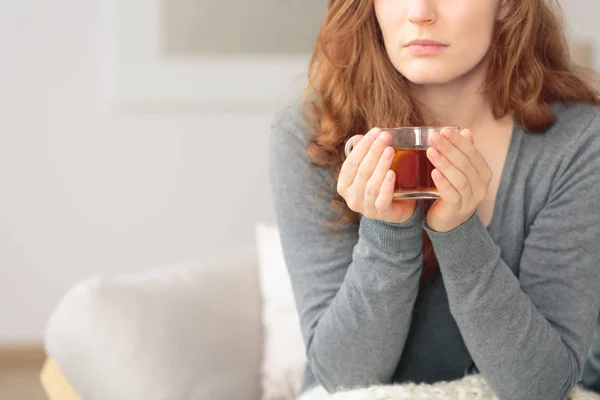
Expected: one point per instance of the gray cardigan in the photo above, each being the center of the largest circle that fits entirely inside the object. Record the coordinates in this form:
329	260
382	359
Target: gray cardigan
516	300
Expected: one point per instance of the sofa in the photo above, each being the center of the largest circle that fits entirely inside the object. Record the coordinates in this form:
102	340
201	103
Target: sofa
218	329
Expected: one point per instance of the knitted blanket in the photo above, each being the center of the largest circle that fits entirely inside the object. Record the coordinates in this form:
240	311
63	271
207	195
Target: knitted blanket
472	387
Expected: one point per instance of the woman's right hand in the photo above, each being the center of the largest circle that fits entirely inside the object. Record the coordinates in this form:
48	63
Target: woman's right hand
367	183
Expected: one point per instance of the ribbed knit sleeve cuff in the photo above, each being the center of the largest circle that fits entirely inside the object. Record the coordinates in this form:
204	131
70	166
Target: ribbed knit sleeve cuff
464	249
406	237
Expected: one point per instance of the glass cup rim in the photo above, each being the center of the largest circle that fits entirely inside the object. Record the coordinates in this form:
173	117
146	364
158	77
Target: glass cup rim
429	129
424	127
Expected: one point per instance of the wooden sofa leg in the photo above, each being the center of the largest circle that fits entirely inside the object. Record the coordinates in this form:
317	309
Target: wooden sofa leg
54	382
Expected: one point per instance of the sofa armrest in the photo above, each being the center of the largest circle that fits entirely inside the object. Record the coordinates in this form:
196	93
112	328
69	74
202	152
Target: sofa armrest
186	331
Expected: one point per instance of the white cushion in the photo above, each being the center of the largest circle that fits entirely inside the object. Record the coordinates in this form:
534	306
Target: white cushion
284	356
185	331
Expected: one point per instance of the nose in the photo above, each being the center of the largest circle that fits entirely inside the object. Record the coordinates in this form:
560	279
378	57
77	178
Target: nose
421	12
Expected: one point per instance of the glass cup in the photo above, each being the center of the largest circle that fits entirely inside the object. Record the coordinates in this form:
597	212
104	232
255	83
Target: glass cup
411	165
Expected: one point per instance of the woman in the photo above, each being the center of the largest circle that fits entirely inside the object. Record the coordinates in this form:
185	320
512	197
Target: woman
501	275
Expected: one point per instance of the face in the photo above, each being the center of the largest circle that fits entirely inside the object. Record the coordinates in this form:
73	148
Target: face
435	41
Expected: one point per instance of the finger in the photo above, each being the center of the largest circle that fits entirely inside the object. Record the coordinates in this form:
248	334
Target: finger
453	175
466	133
385	199
369	162
456	157
480	163
466	144
350	165
445	189
357	140
377	178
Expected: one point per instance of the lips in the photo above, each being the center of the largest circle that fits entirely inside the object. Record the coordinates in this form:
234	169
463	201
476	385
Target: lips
424	42
425	47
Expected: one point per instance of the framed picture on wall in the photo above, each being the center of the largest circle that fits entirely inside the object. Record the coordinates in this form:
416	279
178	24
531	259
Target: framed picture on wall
210	53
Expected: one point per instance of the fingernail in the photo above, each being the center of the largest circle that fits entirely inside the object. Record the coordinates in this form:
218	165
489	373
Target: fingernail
373	132
435	138
432	153
447	132
382	137
388	153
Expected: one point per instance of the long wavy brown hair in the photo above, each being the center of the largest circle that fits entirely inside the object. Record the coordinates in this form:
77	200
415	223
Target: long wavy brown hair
353	85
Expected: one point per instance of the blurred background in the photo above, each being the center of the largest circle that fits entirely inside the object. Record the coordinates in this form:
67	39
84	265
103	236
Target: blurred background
112	162
98	176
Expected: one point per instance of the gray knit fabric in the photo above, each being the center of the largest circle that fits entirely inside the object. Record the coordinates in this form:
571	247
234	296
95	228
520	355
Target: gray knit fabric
516	300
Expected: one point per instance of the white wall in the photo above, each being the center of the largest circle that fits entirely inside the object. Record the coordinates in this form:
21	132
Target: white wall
85	191
582	18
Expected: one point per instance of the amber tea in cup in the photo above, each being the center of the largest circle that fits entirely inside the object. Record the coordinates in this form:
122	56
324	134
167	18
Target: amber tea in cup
410	163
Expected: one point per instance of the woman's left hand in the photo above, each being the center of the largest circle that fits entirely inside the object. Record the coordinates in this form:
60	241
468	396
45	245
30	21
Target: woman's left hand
461	175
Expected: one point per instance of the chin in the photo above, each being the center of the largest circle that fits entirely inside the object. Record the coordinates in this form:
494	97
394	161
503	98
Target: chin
438	70
423	76
430	70
426	79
